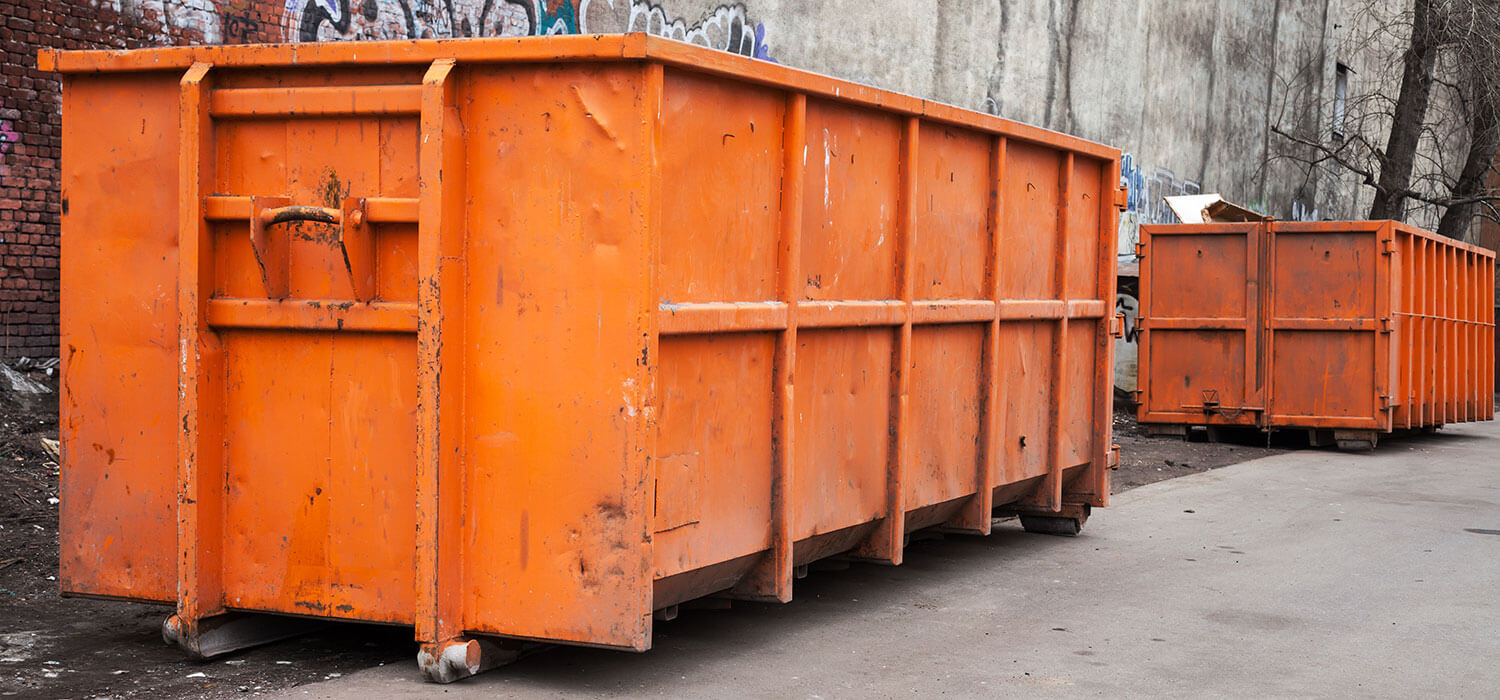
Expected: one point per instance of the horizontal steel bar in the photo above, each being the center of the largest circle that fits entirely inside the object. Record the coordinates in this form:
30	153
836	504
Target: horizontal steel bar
839	314
321	101
953	311
386	210
1042	309
722	317
313	315
1290	420
1449	319
1192	324
735	317
1324	324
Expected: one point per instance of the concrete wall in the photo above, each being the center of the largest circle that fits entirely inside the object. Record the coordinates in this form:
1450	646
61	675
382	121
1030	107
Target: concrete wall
1186	88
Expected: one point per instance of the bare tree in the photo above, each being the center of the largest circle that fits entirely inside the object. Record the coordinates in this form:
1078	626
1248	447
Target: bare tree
1432	98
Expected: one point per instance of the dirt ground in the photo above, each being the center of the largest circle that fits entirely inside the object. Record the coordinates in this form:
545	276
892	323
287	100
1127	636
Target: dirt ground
54	647
1145	459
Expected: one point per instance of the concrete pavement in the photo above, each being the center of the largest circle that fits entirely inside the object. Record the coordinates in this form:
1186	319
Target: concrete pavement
1314	573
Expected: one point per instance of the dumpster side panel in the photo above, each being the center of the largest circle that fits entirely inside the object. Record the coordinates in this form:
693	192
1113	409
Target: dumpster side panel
118	488
951	247
721	181
1081	433
849	244
951	241
1200	360
1028	362
721	176
946	412
843	408
557	539
849	252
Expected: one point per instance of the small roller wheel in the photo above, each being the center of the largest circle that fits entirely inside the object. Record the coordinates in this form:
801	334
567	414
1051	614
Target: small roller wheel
1051	525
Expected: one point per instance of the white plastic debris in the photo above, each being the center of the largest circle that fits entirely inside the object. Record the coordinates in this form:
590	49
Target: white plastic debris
20	383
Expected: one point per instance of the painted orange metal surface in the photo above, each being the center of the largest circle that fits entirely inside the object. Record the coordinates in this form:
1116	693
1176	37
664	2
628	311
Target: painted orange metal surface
530	338
1370	325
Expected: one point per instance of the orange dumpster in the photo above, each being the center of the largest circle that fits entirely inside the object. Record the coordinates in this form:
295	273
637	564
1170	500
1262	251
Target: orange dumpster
1345	329
528	339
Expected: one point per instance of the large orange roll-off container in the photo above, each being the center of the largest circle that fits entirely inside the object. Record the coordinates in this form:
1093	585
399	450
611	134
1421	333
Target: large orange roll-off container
527	339
1348	329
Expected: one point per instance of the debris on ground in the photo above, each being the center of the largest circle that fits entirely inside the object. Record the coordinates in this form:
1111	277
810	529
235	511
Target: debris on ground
1145	459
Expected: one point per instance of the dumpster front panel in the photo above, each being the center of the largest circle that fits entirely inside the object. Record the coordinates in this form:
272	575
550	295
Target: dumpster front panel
1200	359
118	337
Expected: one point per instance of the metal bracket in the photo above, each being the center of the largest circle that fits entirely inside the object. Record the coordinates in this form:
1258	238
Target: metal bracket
1387	246
1386	326
358	246
1117	326
1122	198
1140	250
272	248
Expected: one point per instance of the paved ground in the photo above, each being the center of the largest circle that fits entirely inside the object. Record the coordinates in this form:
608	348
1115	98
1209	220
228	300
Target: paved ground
1311	573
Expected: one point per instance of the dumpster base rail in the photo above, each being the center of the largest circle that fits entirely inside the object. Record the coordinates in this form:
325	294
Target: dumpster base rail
217	635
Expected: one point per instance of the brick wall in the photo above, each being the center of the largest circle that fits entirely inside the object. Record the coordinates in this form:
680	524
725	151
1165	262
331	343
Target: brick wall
30	129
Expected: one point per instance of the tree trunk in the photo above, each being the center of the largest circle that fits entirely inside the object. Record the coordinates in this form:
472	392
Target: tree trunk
1484	142
1406	120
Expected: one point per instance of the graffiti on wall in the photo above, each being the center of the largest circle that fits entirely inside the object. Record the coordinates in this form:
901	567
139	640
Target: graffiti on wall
8	140
1145	203
726	27
342	20
179	21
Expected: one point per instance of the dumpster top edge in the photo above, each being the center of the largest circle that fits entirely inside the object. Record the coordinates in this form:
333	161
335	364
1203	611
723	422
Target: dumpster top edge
574	48
1318	227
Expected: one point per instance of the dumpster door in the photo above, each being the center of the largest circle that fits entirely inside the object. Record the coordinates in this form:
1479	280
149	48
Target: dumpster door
1200	323
1328	324
298	322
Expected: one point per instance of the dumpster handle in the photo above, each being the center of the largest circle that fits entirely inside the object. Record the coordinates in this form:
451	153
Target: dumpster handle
354	240
281	215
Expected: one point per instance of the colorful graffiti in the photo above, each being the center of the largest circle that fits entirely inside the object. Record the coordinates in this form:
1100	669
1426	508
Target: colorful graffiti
8	140
1145	199
726	27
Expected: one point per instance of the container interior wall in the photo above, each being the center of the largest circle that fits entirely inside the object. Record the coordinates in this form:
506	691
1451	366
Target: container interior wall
1200	361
